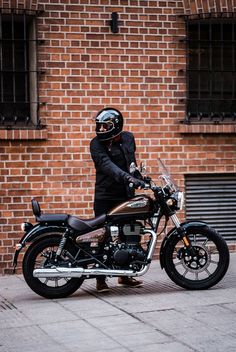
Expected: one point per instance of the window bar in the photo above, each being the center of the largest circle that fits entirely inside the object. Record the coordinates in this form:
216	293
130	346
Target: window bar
25	61
210	67
13	65
199	78
234	72
36	68
1	58
187	71
233	68
221	68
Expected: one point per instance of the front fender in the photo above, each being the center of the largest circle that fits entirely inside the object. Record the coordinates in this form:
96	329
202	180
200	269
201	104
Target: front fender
185	227
32	235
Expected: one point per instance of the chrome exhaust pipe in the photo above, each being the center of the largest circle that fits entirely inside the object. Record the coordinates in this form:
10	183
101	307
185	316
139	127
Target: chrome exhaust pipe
60	272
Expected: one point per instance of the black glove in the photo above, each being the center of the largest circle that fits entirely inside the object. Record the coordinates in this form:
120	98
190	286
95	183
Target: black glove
147	179
135	182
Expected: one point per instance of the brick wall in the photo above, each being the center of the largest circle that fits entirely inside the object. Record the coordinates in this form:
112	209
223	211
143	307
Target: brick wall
139	70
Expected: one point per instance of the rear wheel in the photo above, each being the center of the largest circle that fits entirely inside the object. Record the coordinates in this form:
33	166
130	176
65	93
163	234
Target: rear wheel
42	254
203	269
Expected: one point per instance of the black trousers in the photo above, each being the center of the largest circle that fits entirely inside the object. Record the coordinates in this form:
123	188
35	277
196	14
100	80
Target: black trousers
102	207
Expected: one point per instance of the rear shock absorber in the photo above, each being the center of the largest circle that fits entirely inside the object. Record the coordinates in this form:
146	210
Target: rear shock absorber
62	243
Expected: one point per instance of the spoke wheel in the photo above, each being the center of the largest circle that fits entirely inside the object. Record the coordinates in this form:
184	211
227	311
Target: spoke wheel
205	266
42	254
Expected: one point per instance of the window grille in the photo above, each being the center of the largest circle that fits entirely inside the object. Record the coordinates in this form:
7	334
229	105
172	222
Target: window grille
18	69
211	68
212	198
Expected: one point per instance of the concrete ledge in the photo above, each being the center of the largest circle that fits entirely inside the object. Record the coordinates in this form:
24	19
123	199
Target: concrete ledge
184	128
23	134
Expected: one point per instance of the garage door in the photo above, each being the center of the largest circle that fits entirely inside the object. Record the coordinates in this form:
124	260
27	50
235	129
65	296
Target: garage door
212	198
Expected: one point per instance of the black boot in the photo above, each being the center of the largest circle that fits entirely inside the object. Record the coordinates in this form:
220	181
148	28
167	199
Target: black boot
129	281
101	285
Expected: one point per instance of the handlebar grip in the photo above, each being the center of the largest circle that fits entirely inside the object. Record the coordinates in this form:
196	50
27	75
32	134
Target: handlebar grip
147	186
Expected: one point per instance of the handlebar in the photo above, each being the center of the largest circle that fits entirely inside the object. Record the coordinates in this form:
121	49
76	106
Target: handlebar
146	187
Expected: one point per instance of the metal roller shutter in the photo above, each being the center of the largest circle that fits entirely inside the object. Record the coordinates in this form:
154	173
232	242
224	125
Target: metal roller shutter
212	198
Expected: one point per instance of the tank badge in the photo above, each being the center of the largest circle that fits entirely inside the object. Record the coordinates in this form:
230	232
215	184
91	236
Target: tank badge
138	204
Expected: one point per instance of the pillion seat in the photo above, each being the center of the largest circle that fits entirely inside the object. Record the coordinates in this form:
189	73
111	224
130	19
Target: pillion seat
47	218
77	224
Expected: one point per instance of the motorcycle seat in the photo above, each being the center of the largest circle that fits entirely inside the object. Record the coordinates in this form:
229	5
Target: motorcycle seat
84	226
55	218
47	218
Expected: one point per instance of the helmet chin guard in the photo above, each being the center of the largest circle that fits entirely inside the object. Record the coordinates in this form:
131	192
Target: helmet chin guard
109	123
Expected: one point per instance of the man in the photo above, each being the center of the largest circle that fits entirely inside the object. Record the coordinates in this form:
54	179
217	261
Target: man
112	151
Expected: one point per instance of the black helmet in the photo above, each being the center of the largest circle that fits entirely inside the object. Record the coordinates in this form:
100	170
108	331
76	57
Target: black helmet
112	122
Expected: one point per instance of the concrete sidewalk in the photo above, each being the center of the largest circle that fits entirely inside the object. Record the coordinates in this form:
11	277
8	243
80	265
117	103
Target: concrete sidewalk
159	316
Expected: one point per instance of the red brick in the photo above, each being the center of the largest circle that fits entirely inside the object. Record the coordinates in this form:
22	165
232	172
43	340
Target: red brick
88	67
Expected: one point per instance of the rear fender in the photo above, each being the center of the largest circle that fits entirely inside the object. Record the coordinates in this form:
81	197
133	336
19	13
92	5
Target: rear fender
39	230
35	233
185	228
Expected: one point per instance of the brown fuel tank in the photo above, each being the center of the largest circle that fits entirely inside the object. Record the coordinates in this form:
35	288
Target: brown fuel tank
138	205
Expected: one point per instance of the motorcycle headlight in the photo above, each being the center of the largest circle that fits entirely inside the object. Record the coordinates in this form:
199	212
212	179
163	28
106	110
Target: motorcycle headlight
180	200
176	200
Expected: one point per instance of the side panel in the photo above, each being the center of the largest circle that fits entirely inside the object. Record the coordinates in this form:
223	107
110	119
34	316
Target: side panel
186	226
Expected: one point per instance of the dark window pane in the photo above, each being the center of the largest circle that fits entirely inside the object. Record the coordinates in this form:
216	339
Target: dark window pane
227	32
193	107
204	32
193	32
228	59
216	57
6	27
21	87
7	56
15	74
193	84
215	32
7	79
216	85
20	56
193	57
204	56
227	85
204	86
211	69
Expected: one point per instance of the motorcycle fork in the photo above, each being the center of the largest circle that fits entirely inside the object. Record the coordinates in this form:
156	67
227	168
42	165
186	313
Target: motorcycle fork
171	214
182	234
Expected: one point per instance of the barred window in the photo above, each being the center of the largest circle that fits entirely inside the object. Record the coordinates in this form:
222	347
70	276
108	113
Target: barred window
18	69
211	68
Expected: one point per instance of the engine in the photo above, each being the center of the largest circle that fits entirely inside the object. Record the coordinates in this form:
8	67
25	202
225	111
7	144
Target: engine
125	248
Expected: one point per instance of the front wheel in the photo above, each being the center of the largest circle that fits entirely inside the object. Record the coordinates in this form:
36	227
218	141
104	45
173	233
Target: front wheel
205	266
42	254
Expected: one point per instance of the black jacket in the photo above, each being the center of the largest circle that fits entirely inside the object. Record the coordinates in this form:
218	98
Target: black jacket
112	167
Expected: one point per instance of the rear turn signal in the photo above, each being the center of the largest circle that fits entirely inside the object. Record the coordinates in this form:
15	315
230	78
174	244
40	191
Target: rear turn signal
26	226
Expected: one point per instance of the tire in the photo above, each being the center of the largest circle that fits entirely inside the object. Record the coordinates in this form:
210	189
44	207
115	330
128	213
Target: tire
41	251
203	270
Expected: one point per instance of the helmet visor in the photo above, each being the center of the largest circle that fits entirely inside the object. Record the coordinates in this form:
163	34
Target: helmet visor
104	127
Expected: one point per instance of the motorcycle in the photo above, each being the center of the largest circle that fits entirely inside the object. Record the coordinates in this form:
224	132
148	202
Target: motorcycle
65	250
